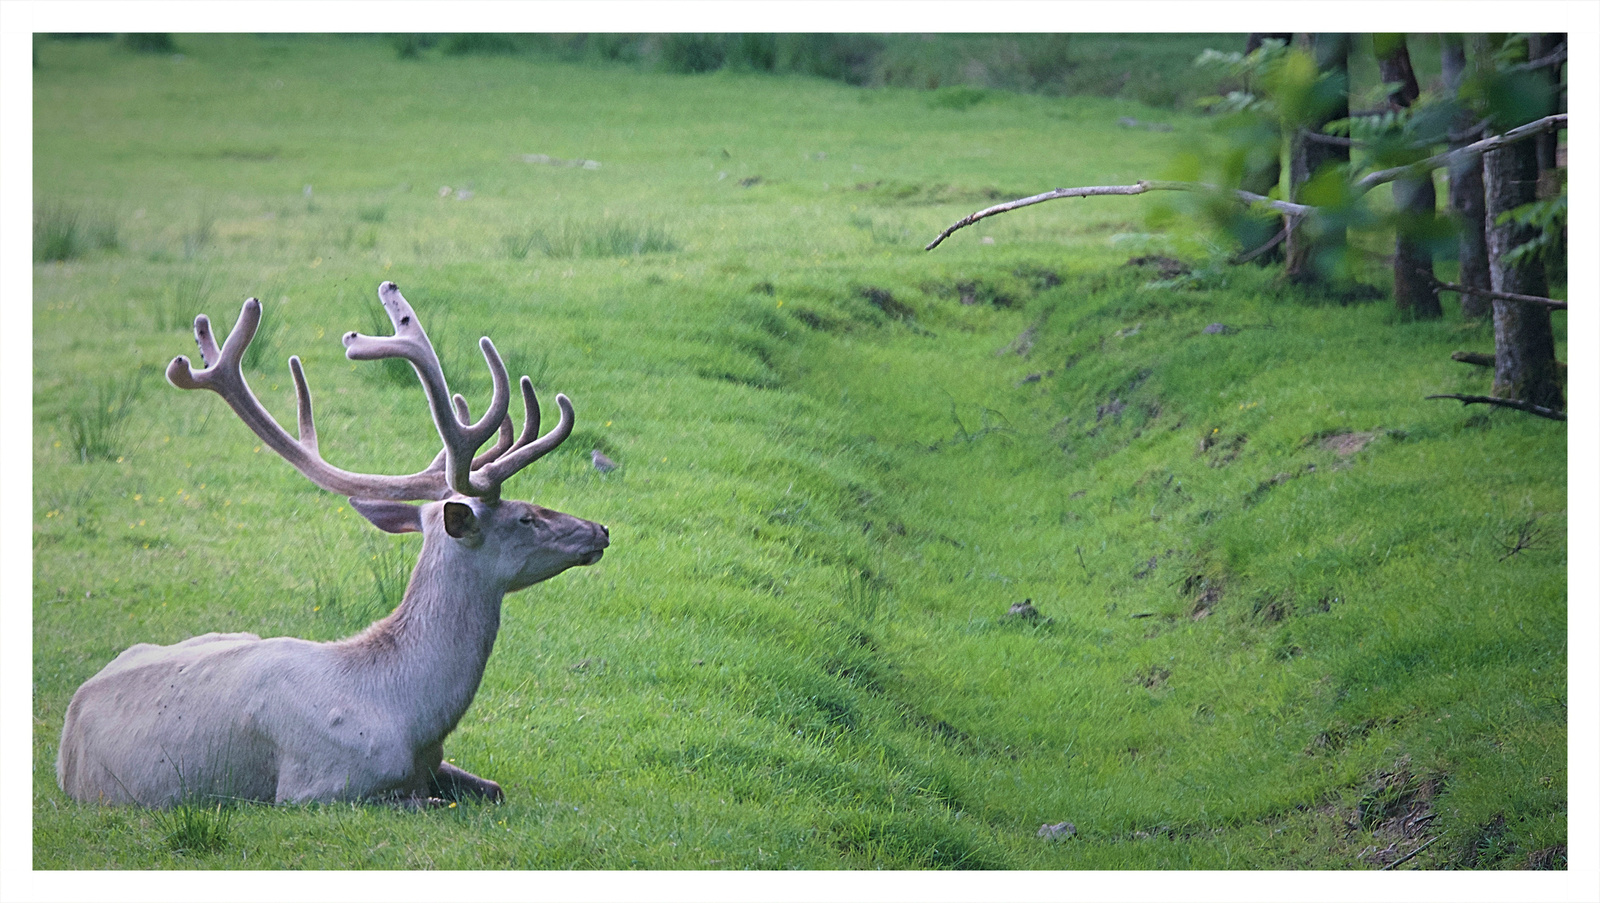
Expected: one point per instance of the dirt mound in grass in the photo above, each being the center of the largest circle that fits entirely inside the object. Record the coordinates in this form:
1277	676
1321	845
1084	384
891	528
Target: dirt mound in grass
1347	444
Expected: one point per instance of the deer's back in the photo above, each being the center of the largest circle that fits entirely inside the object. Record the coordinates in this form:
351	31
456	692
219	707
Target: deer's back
201	717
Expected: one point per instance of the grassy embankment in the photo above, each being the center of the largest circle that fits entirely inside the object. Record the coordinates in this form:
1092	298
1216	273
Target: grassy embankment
1285	616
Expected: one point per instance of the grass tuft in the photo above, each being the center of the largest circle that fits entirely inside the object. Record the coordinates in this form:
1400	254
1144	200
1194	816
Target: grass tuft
192	828
96	425
957	97
198	236
390	568
182	300
579	238
63	232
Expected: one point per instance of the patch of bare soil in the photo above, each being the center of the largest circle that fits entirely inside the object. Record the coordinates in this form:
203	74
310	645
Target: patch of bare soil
1272	608
1038	277
1342	734
1151	678
1166	267
820	321
1112	408
1398	810
1223	450
972	293
1023	343
884	300
1207	592
1548	858
1347	444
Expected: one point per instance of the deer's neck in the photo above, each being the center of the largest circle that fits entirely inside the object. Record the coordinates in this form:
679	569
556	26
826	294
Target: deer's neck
429	654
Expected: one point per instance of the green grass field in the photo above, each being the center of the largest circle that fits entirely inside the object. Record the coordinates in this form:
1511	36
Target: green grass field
1290	614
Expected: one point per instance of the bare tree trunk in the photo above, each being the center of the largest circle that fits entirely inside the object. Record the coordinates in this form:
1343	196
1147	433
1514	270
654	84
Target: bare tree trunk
1262	179
1538	46
1525	354
1311	253
1551	182
1414	197
1466	185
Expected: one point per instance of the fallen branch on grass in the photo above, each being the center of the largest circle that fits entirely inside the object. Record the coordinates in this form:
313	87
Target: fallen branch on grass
1478	358
1407	857
1528	406
1528	537
1361	186
1438	285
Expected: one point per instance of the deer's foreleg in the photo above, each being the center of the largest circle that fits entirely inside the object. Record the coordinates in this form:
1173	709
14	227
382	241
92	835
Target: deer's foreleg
452	783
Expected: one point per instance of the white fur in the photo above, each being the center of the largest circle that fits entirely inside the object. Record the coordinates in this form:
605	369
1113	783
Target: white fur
282	719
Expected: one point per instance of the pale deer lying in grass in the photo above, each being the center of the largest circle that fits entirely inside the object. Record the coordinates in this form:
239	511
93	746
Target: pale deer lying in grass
282	719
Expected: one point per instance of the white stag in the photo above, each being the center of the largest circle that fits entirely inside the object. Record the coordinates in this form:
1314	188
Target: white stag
283	719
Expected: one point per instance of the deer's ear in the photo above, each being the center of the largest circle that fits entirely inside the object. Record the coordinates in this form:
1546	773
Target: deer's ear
459	521
391	517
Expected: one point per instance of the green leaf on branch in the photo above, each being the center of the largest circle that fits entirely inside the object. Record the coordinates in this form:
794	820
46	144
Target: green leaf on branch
1549	216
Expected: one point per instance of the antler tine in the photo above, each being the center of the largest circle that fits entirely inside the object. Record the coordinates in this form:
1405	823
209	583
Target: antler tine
454	469
530	412
208	345
224	376
302	405
500	445
530	427
522	455
410	342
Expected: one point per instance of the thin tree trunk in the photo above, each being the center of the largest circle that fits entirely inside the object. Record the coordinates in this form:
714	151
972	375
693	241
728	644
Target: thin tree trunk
1264	178
1466	187
1538	46
1524	346
1414	197
1551	181
1311	253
